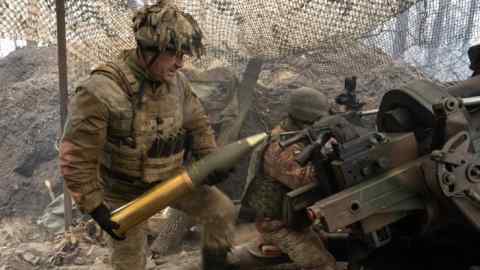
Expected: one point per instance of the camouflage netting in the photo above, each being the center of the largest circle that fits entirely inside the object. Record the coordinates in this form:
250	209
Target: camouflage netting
344	36
384	42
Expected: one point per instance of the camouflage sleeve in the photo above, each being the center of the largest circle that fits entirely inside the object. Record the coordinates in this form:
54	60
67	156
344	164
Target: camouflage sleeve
83	139
281	165
197	125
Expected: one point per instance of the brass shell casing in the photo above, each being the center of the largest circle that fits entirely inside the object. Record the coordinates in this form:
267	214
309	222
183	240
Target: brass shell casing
151	202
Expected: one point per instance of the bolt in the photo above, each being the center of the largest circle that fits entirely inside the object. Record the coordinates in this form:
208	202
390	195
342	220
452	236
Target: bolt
380	137
355	207
448	179
450	104
366	171
436	155
473	173
383	162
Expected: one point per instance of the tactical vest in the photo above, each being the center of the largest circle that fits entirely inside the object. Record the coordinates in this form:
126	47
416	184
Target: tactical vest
145	140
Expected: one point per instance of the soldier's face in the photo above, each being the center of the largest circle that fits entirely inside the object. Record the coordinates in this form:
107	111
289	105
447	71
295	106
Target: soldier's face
165	66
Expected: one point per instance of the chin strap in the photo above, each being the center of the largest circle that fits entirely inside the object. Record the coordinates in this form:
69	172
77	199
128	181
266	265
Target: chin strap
141	55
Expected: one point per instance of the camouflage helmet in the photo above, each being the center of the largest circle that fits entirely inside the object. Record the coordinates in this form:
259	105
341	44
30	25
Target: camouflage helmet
307	104
163	27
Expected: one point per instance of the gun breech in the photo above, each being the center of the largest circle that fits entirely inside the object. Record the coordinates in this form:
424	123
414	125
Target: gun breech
385	193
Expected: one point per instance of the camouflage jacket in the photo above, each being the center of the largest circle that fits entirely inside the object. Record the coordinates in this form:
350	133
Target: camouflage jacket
272	172
114	129
279	164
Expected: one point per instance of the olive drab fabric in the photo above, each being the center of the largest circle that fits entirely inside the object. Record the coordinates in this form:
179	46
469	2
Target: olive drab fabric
307	104
256	187
273	172
263	194
133	129
256	184
163	26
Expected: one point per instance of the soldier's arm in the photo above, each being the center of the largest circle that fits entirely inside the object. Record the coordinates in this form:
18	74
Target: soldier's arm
82	142
197	125
286	169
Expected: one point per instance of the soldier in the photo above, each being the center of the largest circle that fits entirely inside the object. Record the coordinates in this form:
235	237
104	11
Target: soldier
273	172
129	127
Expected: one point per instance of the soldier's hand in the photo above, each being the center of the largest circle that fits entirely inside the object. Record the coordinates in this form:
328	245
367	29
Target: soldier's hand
101	215
218	176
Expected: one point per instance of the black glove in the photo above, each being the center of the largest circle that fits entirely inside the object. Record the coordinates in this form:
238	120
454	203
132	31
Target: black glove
218	176
101	215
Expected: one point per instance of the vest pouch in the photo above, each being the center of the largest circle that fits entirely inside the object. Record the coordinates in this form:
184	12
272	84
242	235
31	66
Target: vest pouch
180	143
157	148
163	168
116	184
122	159
167	146
120	124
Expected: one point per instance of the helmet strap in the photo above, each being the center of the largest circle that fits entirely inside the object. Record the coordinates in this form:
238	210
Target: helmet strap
150	62
154	58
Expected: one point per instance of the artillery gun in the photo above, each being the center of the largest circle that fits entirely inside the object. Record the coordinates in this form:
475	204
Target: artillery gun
397	192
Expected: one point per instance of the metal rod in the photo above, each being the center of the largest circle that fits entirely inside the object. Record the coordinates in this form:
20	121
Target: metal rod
63	87
369	112
50	190
471	101
468	102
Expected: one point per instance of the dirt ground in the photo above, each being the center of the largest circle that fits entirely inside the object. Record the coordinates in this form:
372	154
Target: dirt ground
29	128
